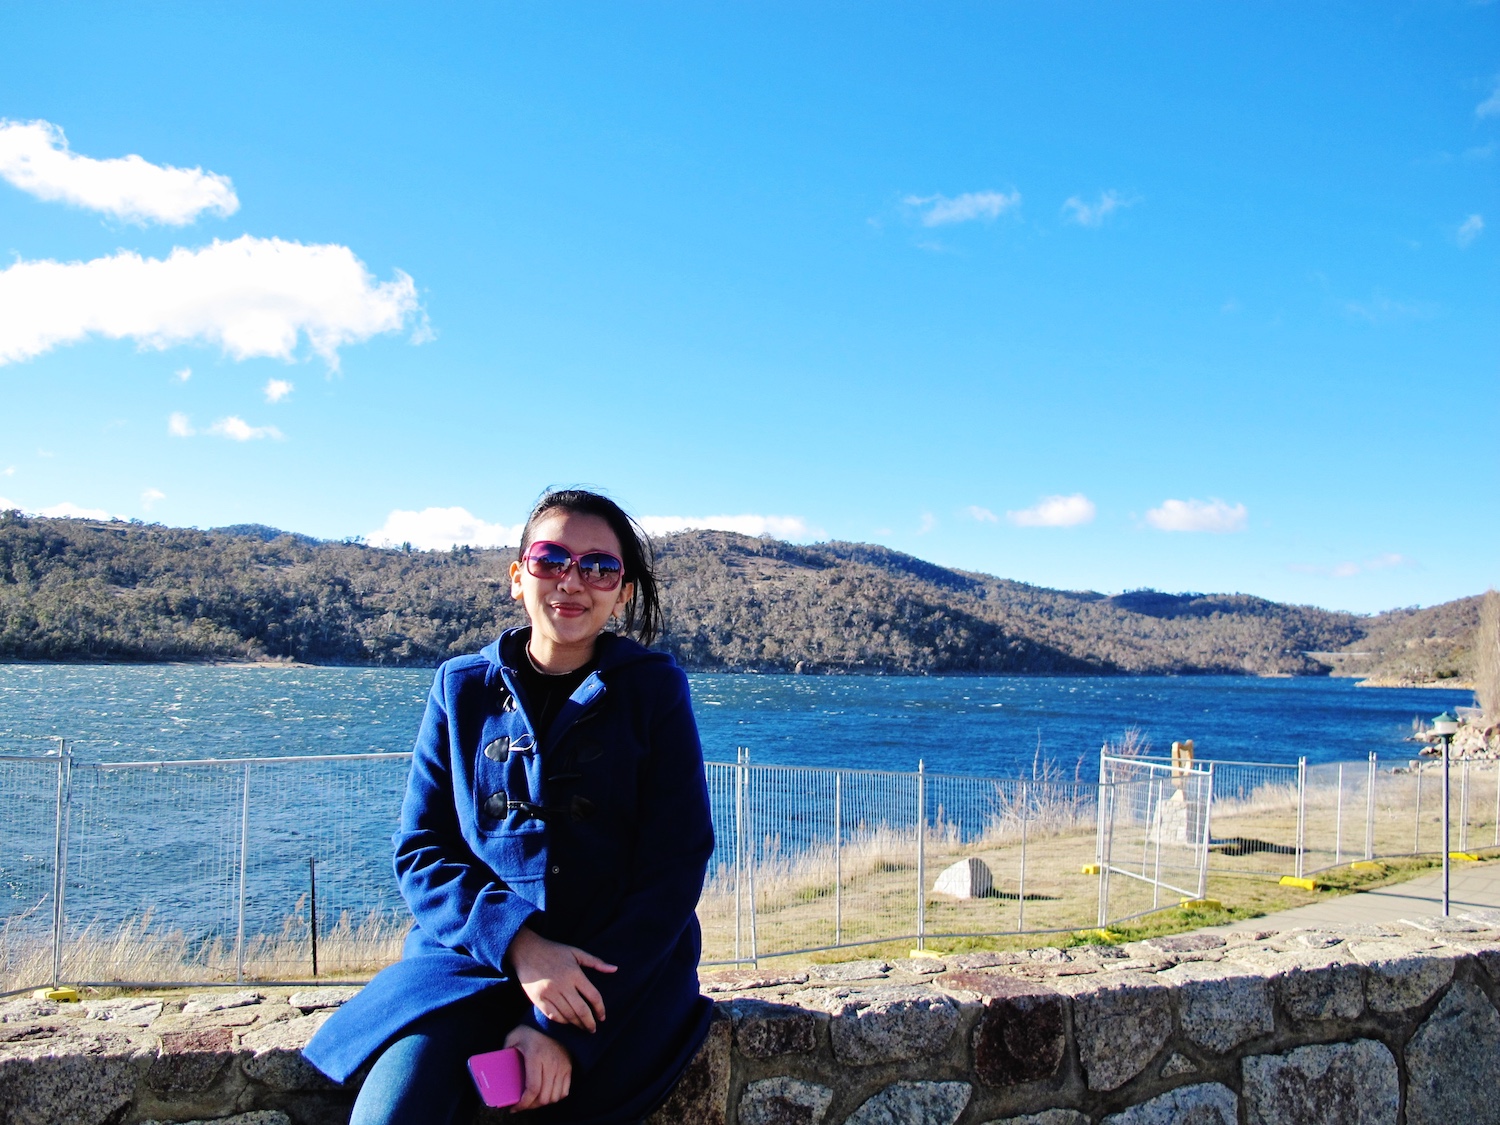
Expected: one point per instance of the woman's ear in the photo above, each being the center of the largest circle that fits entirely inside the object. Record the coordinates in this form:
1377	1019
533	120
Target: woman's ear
627	591
515	581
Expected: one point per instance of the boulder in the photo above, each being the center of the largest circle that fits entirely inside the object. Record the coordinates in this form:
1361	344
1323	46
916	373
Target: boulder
1327	1084
968	878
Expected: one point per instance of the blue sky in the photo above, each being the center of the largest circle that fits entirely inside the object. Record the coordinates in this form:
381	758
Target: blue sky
1200	297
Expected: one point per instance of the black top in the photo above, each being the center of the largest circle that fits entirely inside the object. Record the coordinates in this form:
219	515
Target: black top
544	695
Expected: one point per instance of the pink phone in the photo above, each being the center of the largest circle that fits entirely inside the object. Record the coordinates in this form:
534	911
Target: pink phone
500	1076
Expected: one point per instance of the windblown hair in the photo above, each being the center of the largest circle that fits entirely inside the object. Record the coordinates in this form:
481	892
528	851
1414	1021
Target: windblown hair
643	615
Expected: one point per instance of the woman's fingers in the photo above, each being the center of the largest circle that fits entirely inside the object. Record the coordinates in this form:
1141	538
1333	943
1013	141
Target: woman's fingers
593	1003
589	961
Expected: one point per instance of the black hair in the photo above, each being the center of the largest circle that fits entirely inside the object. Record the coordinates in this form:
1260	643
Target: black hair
643	615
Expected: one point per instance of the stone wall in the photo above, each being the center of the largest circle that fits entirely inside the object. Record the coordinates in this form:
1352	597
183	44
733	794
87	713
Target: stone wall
1369	1026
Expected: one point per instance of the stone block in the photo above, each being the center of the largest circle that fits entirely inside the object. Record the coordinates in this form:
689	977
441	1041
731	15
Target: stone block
254	1117
312	999
914	1103
1328	1084
1453	1060
277	1060
1021	1034
701	1096
984	959
72	1079
1186	943
1120	1026
1321	988
968	878
1208	1103
890	1025
1046	1117
739	980
1177	1066
852	971
1219	1009
1400	978
763	1030
130	1010
24	1011
784	1101
218	1001
190	1061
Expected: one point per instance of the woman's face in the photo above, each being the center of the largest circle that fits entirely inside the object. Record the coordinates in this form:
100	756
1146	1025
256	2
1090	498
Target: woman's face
566	613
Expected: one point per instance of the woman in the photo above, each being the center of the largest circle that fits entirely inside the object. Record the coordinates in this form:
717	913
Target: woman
552	848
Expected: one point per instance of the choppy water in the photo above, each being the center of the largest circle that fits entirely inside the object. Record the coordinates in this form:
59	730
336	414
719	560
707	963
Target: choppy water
961	724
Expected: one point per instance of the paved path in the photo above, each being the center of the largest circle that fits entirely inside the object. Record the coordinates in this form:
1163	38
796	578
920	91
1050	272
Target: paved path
1472	885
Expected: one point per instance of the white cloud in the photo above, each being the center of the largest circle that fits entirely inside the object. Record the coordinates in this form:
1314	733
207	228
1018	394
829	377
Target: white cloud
65	510
778	527
1094	214
1470	229
1490	107
184	374
34	156
1198	515
8	471
251	296
939	210
237	429
151	496
983	515
1055	511
180	425
277	389
1351	569
437	529
929	523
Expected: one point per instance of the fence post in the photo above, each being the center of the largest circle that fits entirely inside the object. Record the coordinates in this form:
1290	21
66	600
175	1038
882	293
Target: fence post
1106	849
1370	810
1301	812
1021	893
60	854
1416	838
1338	822
750	853
739	850
838	858
1099	813
1463	808
239	937
1208	811
921	854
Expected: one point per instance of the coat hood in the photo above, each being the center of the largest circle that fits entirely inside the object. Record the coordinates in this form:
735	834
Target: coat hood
610	651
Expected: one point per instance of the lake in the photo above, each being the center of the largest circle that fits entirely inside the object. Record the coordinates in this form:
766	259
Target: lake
957	724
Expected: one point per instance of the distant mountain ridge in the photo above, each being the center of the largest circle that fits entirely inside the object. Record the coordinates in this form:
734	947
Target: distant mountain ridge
86	590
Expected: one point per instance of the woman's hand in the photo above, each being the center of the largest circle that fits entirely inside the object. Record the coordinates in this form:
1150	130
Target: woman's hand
551	974
549	1068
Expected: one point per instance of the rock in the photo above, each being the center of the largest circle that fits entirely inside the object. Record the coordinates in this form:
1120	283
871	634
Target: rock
1020	1036
984	960
701	1096
1208	1103
278	1060
763	1030
312	999
738	980
891	1025
1398	978
914	1103
1329	1084
255	1117
134	1011
968	878
923	966
190	1061
1219	1010
1186	943
1317	939
19	1011
1178	1064
1120	1027
852	971
1046	1117
1437	924
784	1101
1321	989
1452	1061
218	1001
77	1079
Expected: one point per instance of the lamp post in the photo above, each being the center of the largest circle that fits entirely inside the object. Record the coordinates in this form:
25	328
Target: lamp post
1445	726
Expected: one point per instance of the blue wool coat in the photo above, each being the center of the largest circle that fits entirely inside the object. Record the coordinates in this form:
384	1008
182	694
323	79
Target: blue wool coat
601	842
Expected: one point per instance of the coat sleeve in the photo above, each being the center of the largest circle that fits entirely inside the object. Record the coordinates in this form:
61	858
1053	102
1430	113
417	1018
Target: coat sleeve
674	843
454	896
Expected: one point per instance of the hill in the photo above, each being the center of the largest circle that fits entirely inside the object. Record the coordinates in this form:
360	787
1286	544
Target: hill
86	590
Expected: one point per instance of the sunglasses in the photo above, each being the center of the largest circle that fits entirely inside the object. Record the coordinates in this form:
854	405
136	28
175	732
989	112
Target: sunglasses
598	569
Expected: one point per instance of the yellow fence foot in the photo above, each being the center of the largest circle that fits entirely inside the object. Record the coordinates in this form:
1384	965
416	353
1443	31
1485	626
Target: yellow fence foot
63	995
1091	869
1464	856
1366	865
1294	881
1201	904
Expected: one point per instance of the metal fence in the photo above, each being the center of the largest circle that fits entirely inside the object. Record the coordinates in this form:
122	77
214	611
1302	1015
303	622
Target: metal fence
278	869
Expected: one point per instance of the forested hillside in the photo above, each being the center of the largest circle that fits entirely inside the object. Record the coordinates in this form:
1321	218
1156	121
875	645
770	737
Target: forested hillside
79	589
